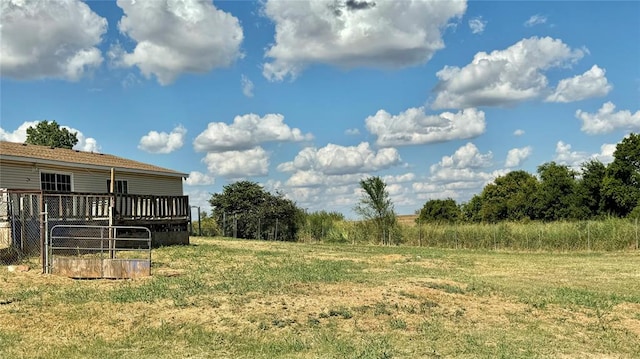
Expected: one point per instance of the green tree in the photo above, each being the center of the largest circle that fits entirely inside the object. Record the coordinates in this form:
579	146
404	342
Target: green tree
508	197
319	224
621	185
245	210
207	225
557	196
51	134
590	186
471	211
375	205
440	210
635	213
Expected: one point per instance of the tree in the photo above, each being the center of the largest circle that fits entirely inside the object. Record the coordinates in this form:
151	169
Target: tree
557	196
375	205
319	224
440	210
621	185
590	186
471	211
207	226
51	134
245	210
508	197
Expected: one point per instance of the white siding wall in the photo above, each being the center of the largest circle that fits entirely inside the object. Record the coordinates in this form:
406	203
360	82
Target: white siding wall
14	175
19	176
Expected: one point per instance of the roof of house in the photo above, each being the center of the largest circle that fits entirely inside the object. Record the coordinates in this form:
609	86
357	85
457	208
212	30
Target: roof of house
74	158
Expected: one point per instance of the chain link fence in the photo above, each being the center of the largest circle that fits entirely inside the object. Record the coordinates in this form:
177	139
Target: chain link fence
20	225
25	217
596	235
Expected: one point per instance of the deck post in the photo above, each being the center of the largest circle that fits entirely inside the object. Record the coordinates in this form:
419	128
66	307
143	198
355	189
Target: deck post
112	206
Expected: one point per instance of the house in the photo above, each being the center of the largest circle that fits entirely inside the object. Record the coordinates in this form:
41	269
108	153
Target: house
80	187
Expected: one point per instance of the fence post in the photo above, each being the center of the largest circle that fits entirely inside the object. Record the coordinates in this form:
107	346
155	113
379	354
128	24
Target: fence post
455	233
42	230
224	224
636	233
235	225
495	230
259	234
45	265
588	236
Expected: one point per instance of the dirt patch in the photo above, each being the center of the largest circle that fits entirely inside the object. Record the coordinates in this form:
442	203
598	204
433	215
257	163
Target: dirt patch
628	317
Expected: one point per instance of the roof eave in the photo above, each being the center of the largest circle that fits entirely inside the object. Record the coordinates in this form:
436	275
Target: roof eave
91	166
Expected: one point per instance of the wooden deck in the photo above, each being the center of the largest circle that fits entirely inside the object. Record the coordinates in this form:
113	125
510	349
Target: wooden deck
127	207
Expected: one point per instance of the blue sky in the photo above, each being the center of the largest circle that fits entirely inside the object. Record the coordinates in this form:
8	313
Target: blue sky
309	97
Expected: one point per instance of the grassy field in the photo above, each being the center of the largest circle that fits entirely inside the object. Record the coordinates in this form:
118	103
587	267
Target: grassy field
222	298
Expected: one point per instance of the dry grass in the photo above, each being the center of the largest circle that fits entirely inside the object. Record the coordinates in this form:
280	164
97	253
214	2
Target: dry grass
407	219
224	298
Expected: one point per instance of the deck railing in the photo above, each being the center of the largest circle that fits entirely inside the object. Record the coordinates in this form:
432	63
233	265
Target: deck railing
129	206
93	206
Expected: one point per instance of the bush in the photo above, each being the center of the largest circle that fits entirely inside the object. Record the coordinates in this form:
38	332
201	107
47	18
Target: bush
635	213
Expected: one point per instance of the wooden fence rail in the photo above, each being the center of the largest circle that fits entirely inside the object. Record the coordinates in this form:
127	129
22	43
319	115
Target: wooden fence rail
82	206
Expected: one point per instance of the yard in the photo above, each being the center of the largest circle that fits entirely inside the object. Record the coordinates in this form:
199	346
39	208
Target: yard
223	298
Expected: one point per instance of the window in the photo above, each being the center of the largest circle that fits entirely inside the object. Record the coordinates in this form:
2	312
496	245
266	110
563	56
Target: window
120	186
55	182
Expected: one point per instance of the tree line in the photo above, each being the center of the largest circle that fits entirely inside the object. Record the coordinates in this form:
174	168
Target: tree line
556	193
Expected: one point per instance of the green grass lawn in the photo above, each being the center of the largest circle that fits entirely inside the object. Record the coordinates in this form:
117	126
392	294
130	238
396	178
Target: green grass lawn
222	298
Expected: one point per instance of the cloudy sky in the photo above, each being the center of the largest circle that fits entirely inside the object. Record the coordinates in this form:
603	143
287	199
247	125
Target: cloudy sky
309	97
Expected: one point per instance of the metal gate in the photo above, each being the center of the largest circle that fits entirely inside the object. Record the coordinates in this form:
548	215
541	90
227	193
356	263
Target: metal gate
98	251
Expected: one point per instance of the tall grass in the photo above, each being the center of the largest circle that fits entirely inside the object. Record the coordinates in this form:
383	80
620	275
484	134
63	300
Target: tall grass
601	235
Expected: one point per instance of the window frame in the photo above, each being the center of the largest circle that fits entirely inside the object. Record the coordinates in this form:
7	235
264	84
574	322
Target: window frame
124	186
57	184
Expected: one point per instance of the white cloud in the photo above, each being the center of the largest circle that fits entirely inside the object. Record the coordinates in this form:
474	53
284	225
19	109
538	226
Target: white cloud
199	179
516	156
199	198
467	156
606	153
451	175
247	86
592	83
49	39
405	177
174	37
247	131
130	80
503	77
19	135
536	19
340	160
238	164
88	144
308	178
575	159
352	131
458	175
355	33
518	132
565	156
414	127
477	25
606	120
162	142
427	191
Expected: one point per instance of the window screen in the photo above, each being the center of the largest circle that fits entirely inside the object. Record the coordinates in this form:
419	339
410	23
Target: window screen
55	182
119	187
